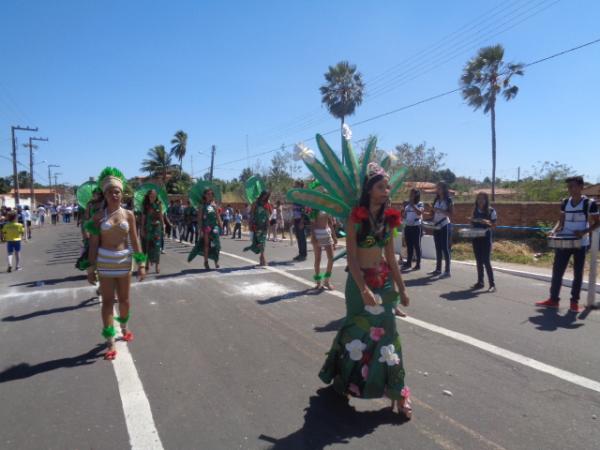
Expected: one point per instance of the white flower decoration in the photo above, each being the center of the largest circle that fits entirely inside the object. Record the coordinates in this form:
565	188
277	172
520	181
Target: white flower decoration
355	348
389	355
346	132
302	152
375	310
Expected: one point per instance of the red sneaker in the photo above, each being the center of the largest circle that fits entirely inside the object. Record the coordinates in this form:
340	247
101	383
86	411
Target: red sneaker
575	308
547	303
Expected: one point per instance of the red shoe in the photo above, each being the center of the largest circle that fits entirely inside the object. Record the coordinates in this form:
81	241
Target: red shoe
575	308
548	303
110	355
128	336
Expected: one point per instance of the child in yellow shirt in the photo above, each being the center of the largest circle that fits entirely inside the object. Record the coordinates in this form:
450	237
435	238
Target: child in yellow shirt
12	233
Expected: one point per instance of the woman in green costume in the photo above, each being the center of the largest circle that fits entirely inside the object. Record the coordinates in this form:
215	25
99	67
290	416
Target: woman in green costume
209	221
365	359
259	224
153	226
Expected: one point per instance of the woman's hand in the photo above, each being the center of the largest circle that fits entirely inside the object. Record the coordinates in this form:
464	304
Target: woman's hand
404	300
368	297
141	273
91	276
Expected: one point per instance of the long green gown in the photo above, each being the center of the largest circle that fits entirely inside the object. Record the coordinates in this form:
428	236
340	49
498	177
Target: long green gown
365	359
154	233
210	225
259	226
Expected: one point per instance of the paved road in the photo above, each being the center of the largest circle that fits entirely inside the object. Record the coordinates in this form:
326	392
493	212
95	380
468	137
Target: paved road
228	359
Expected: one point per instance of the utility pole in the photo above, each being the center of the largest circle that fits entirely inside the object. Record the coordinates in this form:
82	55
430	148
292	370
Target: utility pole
212	161
519	174
31	147
14	156
50	179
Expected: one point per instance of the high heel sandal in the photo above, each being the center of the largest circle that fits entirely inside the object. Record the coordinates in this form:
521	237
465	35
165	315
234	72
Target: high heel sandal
406	408
206	266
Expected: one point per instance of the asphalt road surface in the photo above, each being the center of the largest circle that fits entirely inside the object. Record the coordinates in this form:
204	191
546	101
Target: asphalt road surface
229	359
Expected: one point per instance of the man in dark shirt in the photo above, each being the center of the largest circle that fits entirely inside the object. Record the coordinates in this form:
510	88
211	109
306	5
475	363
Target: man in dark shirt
299	216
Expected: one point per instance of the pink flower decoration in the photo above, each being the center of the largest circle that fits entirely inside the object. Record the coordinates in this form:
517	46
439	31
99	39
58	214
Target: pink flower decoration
377	333
405	392
354	389
364	371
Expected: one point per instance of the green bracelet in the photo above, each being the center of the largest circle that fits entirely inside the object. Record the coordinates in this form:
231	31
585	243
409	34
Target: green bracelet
140	257
318	277
109	332
123	320
327	275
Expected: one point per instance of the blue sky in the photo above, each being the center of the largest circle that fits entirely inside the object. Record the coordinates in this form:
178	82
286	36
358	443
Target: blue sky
106	81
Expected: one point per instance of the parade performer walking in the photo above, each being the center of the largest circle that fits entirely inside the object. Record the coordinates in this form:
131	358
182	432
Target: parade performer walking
484	216
210	224
151	201
365	359
259	223
111	231
323	238
578	218
442	235
89	198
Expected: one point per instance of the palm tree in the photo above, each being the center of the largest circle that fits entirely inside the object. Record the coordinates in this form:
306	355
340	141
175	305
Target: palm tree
484	78
179	148
343	90
158	164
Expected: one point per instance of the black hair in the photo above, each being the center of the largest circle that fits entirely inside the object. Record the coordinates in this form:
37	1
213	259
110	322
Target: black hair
147	199
368	225
263	197
445	192
577	179
486	208
417	195
206	191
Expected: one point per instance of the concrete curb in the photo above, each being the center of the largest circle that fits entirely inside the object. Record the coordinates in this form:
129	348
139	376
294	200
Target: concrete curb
568	282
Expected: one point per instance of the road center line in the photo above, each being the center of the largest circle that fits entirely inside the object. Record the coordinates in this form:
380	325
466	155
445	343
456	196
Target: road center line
570	377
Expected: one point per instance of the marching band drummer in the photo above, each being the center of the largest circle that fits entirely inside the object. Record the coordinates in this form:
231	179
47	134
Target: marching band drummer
484	216
413	214
442	237
579	217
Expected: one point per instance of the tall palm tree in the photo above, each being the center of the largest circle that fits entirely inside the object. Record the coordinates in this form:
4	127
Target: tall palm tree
343	90
158	164
484	78
179	148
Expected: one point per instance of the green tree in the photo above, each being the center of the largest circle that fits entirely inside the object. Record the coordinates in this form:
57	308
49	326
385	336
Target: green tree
422	162
179	148
24	179
158	164
5	185
279	179
179	183
343	90
484	78
547	182
246	173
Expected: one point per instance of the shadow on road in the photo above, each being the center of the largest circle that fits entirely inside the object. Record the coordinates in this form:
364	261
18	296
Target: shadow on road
202	270
329	420
423	281
51	281
25	370
467	294
550	320
334	325
44	312
289	296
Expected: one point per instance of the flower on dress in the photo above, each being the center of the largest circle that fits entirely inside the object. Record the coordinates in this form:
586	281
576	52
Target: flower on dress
375	310
364	371
392	217
389	355
354	389
346	132
376	333
302	152
366	359
405	392
359	214
355	348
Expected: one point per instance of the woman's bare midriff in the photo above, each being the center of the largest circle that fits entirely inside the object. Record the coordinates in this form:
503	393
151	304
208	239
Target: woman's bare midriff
369	258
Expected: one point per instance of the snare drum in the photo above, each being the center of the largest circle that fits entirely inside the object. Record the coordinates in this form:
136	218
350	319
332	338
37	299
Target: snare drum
430	226
472	233
564	242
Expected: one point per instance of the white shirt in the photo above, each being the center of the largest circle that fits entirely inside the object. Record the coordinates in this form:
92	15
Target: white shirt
41	211
26	214
411	218
441	217
575	217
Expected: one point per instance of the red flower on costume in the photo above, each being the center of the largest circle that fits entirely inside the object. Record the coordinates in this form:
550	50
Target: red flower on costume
359	213
392	217
366	359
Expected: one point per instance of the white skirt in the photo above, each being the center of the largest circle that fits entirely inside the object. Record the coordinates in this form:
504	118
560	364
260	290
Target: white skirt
323	237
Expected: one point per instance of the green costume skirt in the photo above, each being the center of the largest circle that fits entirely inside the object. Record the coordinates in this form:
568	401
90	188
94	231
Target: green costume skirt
214	245
151	244
365	359
259	237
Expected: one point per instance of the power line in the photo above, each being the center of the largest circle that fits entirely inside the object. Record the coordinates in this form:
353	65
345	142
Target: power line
411	105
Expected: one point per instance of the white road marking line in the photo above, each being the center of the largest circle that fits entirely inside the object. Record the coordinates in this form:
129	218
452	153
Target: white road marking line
482	345
136	407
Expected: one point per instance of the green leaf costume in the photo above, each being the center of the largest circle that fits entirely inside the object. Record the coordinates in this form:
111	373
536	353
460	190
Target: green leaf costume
210	227
365	359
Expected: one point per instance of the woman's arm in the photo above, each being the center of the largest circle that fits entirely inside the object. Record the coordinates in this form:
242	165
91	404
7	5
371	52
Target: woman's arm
135	243
390	257
94	243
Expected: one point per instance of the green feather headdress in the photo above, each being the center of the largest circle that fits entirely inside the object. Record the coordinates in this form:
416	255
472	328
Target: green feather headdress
197	191
254	187
109	176
342	183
